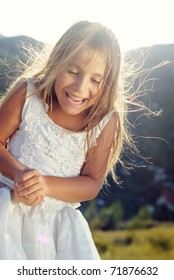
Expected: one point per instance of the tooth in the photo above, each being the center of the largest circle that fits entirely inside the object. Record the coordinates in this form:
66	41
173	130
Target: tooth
75	98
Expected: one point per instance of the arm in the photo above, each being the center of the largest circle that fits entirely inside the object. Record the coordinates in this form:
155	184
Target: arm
10	118
74	189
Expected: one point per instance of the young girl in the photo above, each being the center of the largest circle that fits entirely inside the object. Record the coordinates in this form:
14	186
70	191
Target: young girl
61	132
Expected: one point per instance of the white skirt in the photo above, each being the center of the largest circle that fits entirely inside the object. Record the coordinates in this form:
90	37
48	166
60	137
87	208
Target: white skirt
48	231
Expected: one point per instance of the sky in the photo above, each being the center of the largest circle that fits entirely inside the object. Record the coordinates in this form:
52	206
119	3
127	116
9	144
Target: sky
136	23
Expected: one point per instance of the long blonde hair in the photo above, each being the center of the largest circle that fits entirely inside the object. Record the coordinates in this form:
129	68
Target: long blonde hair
95	38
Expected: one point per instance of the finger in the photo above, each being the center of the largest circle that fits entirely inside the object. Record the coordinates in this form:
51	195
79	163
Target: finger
30	197
24	176
32	190
18	175
29	184
36	201
23	199
35	180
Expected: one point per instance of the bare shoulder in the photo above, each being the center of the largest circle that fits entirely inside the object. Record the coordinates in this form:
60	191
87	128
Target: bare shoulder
11	109
17	93
107	135
112	123
97	158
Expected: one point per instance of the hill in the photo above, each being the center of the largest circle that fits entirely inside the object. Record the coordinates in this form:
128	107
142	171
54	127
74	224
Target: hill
13	50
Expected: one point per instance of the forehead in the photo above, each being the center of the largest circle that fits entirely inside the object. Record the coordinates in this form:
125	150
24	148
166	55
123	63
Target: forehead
90	59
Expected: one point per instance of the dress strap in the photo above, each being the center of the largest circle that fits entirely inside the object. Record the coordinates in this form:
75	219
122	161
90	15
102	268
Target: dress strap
31	88
31	98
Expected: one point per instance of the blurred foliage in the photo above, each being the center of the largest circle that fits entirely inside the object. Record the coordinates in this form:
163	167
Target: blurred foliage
107	218
142	220
156	243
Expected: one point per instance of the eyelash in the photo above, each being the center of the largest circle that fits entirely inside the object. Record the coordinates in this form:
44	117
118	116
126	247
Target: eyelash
96	82
76	73
72	72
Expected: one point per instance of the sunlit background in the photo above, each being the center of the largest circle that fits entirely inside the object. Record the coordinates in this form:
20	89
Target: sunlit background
135	22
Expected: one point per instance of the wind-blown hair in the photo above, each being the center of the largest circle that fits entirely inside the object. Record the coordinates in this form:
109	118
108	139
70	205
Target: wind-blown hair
93	38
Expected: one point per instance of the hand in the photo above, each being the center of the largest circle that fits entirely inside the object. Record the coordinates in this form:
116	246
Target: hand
25	200
30	184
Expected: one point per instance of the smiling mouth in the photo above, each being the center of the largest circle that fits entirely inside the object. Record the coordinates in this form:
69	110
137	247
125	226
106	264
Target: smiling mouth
75	100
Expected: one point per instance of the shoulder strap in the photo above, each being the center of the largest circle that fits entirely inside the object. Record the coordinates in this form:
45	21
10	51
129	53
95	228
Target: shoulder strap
30	87
31	97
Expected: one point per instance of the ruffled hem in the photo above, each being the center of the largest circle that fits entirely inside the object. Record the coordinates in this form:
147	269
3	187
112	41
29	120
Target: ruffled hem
38	234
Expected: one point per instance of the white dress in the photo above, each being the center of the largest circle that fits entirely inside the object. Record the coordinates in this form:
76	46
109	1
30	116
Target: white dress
52	229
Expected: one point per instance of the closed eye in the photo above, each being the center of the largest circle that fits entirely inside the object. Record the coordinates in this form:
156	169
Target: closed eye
95	81
73	72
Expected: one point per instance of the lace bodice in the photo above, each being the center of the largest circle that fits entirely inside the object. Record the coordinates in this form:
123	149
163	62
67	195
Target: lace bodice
41	144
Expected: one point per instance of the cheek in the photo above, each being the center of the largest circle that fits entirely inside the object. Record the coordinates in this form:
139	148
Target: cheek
95	94
62	81
56	90
58	84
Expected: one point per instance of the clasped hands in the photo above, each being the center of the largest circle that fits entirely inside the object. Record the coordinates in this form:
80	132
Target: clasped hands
30	187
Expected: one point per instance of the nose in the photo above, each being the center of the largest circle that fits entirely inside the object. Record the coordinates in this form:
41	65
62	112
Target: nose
81	84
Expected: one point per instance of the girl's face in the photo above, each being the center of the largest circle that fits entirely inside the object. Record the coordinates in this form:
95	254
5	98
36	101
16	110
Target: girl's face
78	86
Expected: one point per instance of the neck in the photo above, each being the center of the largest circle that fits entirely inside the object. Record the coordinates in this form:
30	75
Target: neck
70	122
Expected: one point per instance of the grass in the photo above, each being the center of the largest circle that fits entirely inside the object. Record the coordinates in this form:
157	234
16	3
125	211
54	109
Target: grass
156	243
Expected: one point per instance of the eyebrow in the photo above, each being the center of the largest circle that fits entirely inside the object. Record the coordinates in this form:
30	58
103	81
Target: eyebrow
76	65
